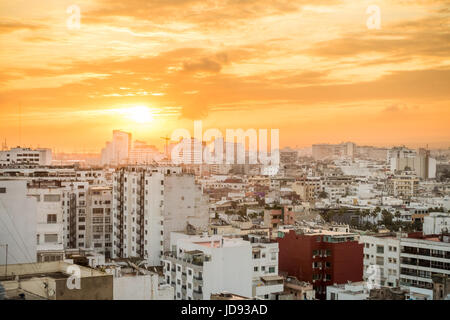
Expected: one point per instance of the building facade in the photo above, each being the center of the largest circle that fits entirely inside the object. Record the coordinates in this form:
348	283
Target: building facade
321	257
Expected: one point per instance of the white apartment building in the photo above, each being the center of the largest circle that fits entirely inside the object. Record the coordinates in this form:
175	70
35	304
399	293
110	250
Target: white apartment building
420	259
148	204
75	225
335	192
41	157
58	173
51	205
199	266
99	235
18	214
61	207
436	222
266	281
382	252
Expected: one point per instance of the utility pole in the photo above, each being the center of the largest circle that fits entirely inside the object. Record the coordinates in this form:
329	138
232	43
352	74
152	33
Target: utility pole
6	260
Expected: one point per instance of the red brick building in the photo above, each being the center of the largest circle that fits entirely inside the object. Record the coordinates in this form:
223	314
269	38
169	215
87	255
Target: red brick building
322	258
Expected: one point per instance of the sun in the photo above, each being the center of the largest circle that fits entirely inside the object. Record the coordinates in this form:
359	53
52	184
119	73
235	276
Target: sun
139	114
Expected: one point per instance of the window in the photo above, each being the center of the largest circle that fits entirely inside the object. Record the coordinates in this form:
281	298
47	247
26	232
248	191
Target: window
255	269
271	269
97	211
380	261
2	190
81	219
50	238
52	198
97	220
37	196
51	218
81	228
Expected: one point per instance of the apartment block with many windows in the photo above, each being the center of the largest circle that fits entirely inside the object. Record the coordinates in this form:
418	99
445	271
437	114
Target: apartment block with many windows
422	258
383	252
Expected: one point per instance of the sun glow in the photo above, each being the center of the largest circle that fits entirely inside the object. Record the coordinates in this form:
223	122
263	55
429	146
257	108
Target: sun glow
139	114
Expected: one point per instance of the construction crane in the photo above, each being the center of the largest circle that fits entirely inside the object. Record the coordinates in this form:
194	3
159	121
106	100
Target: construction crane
167	139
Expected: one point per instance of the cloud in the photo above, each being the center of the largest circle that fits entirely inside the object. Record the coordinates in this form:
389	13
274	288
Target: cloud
8	26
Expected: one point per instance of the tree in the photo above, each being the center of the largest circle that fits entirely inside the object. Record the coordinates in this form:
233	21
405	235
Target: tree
387	218
323	195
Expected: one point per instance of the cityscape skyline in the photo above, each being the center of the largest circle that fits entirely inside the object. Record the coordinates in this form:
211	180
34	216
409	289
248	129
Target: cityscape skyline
159	143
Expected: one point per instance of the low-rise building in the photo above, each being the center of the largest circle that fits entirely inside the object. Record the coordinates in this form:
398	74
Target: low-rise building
58	280
348	291
300	290
199	266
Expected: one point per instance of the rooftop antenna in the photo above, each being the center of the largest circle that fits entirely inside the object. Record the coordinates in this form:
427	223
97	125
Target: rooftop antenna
167	139
20	124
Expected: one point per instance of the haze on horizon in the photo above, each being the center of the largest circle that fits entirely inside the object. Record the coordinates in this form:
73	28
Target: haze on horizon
309	68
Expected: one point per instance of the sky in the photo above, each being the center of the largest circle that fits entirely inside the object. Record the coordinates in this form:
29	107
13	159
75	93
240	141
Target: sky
312	69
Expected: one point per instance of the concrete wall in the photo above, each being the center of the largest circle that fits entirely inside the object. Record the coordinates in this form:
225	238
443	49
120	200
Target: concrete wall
133	288
17	223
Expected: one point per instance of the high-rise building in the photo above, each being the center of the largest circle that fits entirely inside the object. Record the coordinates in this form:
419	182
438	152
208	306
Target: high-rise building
118	151
421	163
333	151
18	213
148	204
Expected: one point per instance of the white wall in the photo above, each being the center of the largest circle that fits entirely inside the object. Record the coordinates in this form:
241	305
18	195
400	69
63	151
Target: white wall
436	222
17	223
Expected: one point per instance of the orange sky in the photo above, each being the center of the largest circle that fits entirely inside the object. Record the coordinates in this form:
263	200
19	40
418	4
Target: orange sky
309	68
